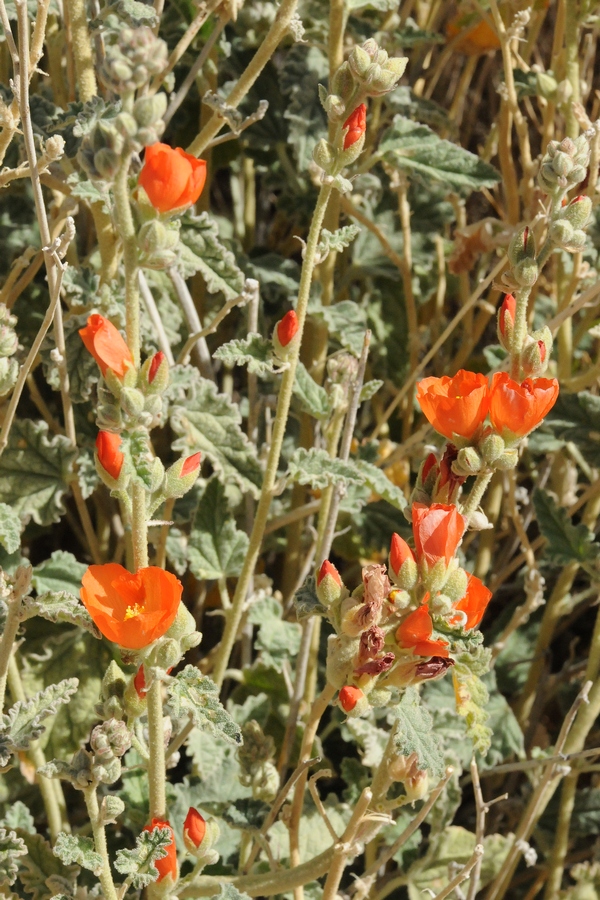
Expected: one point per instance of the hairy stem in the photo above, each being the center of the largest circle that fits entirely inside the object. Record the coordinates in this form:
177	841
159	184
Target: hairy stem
156	742
130	258
11	626
106	879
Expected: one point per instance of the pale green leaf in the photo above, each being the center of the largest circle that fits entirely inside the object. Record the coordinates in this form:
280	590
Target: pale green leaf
40	867
10	528
62	572
200	250
417	150
18	816
380	484
71	848
312	397
60	606
23	721
306	602
138	864
369	389
317	468
35	470
191	693
210	422
230	892
276	640
566	542
11	847
336	240
414	733
346	321
253	351
216	547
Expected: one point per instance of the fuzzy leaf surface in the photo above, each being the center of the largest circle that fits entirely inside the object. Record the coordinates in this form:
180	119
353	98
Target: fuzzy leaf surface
230	892
277	640
414	733
73	848
336	240
18	816
254	351
211	423
11	846
40	866
60	606
150	846
317	468
216	547
10	528
195	694
346	321
566	542
311	396
23	721
306	602
200	250
35	470
378	481
62	572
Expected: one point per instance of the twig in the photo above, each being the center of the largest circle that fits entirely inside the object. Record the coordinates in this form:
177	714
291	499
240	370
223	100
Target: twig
346	846
250	288
481	811
463	874
150	304
184	42
312	787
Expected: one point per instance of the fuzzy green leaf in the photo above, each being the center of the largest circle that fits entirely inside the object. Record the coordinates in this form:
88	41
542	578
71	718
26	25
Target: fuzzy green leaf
346	321
192	693
138	864
10	528
336	240
71	848
566	542
277	640
23	721
574	417
230	892
40	867
311	396
60	606
200	250
35	470
62	572
11	846
380	484
305	65
417	150
317	468
306	602
254	351
414	733
216	548
18	816
210	422
369	389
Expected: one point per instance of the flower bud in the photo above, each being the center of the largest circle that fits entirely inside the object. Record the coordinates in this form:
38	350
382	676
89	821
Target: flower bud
341	655
506	320
434	578
402	564
139	682
194	829
578	212
167	653
491	447
546	85
359	61
109	455
536	354
181	475
167	866
132	402
154	374
106	163
522	246
342	82
324	156
526	273
468	462
286	335
148	110
507	460
356	125
183	629
111	738
329	584
352	700
456	584
416	785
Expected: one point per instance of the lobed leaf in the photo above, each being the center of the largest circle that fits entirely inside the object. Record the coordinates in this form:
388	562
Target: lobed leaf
566	542
23	721
60	606
254	351
11	846
317	468
200	250
10	528
71	848
191	693
216	547
138	864
313	398
414	733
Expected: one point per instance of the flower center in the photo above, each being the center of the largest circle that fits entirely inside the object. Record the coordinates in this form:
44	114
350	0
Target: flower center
132	611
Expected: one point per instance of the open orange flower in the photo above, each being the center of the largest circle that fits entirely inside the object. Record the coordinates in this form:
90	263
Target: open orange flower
171	177
474	38
438	530
131	610
516	409
474	603
167	866
106	344
415	633
456	405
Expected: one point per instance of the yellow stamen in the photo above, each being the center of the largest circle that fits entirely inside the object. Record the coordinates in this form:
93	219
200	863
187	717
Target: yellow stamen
132	611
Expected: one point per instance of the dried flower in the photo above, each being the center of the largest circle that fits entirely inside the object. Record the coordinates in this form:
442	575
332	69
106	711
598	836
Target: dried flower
516	409
106	345
171	177
131	610
457	405
167	866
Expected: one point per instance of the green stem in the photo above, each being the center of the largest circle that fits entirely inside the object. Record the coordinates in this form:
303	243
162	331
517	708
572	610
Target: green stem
139	526
106	879
156	743
572	66
477	492
519	333
281	416
130	258
6	644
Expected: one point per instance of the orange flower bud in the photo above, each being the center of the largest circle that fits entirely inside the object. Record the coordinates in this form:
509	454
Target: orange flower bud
457	405
171	177
403	567
349	697
109	455
506	316
474	603
356	123
328	568
139	682
106	345
167	866
194	827
190	464
438	530
428	465
287	328
131	610
516	409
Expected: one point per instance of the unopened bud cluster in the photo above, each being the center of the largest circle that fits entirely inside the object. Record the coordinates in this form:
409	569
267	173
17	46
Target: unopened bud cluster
134	57
564	164
256	761
109	742
9	344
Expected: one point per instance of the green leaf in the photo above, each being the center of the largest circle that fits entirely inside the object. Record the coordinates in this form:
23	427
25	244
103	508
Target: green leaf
254	351
136	13
380	484
304	67
230	892
210	422
62	572
346	321
11	846
566	542
191	693
71	848
575	417
23	721
317	468
138	864
10	528
40	867
417	150
18	816
60	606
90	192
34	471
336	240
369	389
216	548
414	733
306	602
312	397
277	640
200	250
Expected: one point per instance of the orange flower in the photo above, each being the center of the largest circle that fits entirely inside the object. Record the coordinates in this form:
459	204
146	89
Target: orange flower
109	453
356	123
106	345
474	39
516	409
167	866
474	603
171	178
438	530
131	610
456	405
415	632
